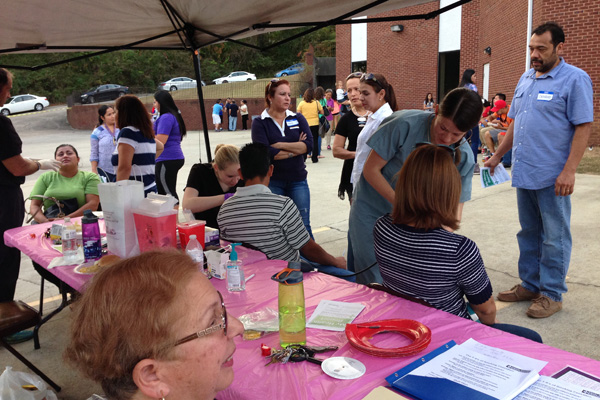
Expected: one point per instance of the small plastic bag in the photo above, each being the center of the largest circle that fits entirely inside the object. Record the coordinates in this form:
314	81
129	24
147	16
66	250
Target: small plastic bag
16	385
260	323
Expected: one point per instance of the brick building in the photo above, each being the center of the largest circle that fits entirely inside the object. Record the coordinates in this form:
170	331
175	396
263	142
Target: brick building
430	55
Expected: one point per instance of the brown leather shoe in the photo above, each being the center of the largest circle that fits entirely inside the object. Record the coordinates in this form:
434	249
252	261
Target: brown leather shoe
544	307
517	293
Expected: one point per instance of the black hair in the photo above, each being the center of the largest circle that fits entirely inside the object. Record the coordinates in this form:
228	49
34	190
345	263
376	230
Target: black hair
254	160
168	106
463	107
467	77
427	96
378	82
66	145
501	96
102	112
556	31
4	75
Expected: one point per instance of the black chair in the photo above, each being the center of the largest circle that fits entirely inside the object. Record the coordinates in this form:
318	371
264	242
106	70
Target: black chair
16	316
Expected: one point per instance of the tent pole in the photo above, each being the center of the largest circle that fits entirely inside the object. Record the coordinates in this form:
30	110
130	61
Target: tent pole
196	55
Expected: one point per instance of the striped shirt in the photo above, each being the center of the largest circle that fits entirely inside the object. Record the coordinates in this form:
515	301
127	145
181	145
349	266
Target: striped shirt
143	157
437	266
269	222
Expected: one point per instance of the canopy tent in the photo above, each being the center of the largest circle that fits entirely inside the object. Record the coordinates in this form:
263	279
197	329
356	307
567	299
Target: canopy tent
110	25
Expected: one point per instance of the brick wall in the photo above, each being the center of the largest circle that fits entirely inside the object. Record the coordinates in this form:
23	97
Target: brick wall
407	59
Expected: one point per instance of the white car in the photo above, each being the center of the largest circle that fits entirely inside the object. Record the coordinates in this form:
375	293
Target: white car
178	83
24	102
237	76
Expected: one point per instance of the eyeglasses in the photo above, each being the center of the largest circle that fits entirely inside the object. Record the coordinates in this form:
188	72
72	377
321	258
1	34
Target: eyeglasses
356	74
208	331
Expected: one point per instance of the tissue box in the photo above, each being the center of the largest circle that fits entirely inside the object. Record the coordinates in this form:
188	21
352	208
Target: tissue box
217	263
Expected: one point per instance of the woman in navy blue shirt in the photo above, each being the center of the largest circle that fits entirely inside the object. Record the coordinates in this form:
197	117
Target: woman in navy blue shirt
289	139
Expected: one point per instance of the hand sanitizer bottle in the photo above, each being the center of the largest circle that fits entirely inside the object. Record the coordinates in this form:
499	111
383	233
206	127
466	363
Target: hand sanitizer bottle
236	281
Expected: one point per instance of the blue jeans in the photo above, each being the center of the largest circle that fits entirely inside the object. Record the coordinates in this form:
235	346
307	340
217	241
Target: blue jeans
544	241
299	192
519	331
475	141
232	122
331	270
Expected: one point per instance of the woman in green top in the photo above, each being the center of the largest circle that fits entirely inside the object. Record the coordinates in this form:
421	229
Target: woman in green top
66	183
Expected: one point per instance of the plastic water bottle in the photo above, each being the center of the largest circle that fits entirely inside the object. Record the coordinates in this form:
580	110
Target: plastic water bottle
292	317
90	233
194	250
236	282
69	241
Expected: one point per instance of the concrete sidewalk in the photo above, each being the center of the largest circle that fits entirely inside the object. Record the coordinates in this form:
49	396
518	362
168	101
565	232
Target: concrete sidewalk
490	219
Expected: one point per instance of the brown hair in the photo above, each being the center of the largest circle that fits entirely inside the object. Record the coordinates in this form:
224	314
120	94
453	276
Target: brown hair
309	95
132	112
126	315
378	82
4	76
225	155
463	107
272	88
428	189
319	93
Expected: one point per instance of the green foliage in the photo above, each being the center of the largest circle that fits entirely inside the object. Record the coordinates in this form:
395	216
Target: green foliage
143	70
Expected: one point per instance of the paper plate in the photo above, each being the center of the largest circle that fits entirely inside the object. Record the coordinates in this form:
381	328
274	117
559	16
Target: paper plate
86	268
343	368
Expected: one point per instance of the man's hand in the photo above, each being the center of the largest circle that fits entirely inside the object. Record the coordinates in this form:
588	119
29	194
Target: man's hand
565	183
492	163
340	262
49	164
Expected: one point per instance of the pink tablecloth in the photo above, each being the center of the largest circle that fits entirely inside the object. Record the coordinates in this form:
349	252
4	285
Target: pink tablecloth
254	380
31	241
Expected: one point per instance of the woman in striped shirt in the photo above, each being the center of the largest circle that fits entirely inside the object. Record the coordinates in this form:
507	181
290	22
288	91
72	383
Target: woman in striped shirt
137	147
417	252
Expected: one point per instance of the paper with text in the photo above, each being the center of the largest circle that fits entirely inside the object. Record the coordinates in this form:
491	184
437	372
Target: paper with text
334	315
500	176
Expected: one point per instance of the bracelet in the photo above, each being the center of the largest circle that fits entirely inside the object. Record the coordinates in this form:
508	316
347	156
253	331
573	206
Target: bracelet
39	165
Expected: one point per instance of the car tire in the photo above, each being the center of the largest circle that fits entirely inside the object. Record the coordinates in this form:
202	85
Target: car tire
38	107
5	112
284	74
172	88
90	99
121	94
249	79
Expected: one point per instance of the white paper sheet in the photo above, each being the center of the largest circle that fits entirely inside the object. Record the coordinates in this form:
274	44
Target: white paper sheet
334	315
547	388
500	176
495	372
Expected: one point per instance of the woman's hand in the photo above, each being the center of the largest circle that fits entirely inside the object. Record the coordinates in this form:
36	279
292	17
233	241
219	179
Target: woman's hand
302	137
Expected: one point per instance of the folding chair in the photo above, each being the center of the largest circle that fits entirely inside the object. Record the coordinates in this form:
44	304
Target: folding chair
16	316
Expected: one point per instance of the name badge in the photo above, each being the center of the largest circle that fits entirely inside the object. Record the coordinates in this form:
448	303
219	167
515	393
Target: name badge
291	122
545	96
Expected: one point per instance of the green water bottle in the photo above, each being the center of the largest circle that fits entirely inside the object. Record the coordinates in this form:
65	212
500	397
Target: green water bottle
292	318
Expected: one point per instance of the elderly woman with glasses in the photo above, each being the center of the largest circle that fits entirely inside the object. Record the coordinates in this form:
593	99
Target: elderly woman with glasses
153	327
289	138
395	139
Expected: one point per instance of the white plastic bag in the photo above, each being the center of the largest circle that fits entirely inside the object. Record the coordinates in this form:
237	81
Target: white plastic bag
11	386
118	199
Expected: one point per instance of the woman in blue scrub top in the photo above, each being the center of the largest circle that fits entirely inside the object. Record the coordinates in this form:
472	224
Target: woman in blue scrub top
289	139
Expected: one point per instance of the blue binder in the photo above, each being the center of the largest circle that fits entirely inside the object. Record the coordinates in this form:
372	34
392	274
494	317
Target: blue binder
426	388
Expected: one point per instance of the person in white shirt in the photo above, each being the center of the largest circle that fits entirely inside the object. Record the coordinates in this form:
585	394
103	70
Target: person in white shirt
376	96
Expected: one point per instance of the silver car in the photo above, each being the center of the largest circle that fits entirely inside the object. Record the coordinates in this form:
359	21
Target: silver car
178	83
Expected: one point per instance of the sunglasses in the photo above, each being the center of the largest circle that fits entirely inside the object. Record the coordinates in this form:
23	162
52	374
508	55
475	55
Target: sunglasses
209	330
356	74
451	149
370	77
275	80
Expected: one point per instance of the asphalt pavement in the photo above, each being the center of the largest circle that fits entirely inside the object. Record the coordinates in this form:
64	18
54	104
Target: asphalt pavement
490	219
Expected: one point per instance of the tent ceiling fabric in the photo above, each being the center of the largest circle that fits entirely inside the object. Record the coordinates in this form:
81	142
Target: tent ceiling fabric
111	23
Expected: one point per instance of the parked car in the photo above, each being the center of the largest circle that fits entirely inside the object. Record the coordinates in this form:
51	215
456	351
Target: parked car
291	70
24	102
103	93
179	83
236	76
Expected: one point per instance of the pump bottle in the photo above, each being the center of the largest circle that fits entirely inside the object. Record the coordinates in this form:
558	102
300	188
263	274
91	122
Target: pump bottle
236	281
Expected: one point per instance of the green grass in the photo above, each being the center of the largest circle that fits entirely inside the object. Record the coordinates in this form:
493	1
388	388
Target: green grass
590	163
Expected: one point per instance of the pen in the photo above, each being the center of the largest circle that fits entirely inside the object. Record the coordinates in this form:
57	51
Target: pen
250	277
